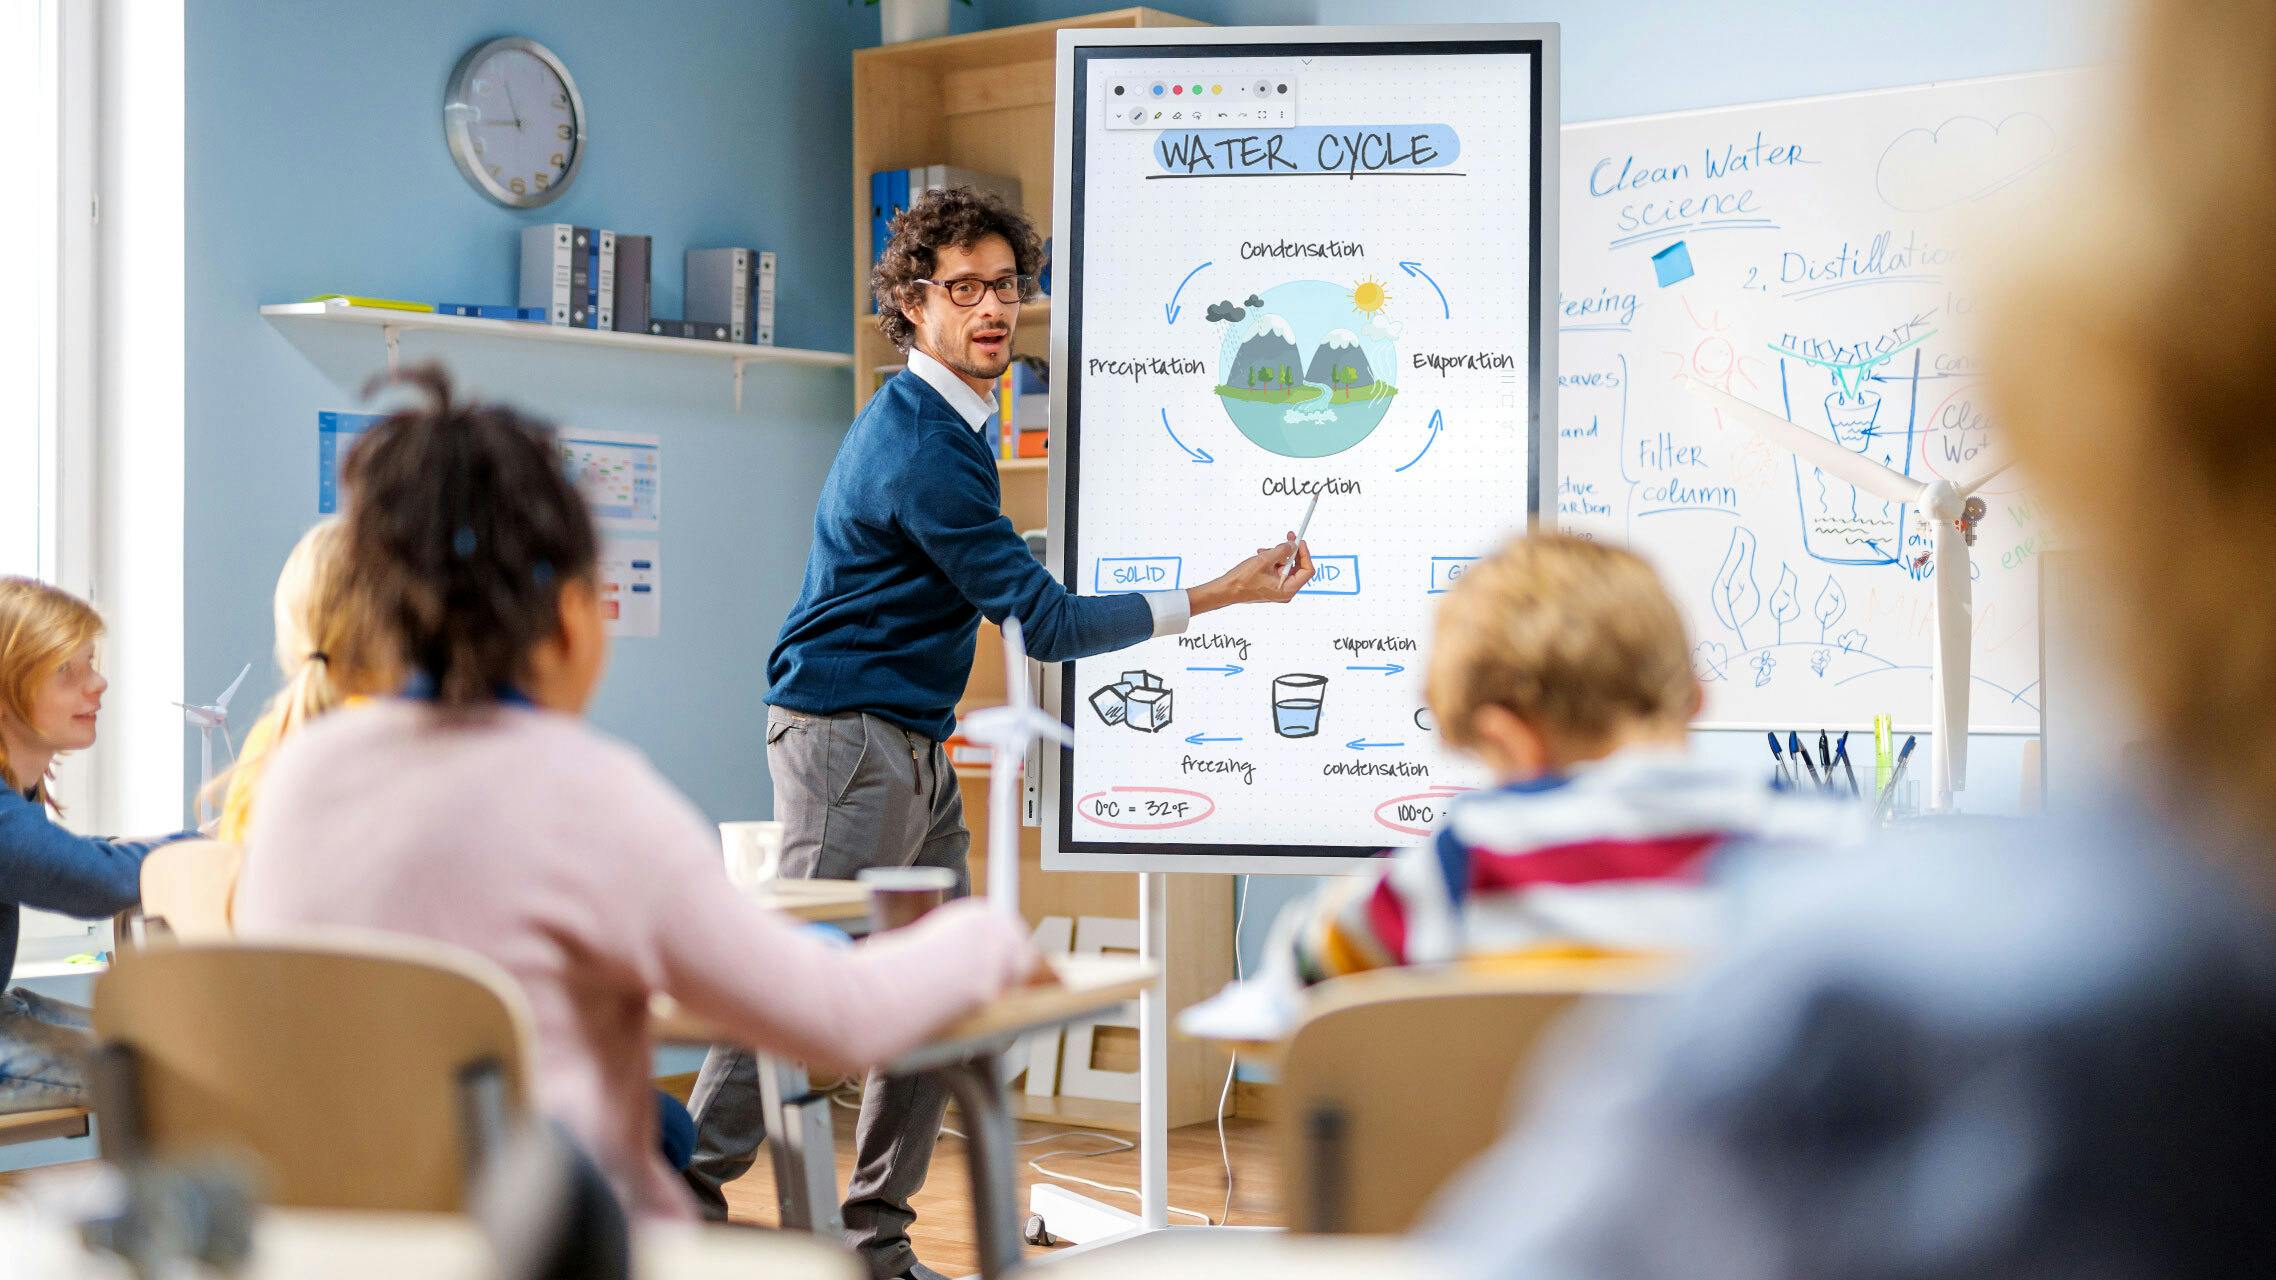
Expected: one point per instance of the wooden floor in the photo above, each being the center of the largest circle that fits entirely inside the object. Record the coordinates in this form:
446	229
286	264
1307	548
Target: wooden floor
943	1234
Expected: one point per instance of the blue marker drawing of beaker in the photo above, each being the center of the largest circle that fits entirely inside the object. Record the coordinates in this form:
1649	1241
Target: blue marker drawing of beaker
1840	524
1296	704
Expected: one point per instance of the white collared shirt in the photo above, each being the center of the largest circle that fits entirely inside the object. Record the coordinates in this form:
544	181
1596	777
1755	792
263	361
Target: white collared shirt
1173	610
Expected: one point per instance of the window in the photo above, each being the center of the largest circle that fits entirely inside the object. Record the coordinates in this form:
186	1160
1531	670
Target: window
47	422
27	93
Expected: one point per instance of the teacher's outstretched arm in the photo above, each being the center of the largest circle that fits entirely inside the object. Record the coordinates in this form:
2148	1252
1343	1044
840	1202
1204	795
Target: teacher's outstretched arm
953	515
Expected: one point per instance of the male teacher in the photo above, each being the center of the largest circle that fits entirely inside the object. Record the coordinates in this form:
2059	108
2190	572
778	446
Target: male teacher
911	549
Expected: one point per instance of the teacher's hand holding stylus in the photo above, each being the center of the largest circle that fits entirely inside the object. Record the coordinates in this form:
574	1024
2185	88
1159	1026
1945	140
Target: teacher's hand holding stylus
1273	575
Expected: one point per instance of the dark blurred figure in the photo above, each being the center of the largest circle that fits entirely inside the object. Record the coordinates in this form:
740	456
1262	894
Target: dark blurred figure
2013	1050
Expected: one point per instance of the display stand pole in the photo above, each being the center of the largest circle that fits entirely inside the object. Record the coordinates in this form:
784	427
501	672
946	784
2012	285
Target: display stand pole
1154	1053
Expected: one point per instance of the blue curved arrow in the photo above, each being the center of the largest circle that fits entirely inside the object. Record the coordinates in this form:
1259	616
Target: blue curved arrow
1171	308
1391	669
1437	420
1200	740
1199	455
1415	269
1222	671
1361	744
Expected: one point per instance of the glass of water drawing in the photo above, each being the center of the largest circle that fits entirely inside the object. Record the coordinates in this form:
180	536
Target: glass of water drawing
1296	704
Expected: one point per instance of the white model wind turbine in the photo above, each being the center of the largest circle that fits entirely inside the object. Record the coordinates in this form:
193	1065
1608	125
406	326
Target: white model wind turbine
1008	731
1946	506
210	719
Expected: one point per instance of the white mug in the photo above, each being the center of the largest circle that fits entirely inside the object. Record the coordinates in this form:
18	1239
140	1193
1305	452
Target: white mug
753	851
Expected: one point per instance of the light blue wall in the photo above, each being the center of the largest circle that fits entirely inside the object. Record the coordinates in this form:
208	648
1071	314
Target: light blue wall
315	163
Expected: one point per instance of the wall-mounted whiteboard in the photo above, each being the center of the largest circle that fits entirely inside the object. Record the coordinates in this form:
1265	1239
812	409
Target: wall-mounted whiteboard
1812	257
1291	261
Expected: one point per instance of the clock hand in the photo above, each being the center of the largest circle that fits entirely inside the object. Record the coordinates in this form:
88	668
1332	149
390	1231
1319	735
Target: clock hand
510	102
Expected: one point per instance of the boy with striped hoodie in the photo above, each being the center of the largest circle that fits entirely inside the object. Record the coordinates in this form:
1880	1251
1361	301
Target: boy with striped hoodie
1561	664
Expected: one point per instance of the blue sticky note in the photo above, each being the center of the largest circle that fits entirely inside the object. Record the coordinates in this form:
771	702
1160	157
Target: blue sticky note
1672	264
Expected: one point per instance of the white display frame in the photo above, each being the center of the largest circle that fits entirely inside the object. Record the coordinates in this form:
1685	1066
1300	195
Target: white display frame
1540	496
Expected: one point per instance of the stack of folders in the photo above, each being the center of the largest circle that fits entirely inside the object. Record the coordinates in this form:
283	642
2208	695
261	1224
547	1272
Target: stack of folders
1023	409
585	277
891	191
730	297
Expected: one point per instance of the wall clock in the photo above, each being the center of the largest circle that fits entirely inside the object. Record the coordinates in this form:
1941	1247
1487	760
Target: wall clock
514	122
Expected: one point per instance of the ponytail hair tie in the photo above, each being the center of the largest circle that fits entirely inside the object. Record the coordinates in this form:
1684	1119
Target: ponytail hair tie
318	655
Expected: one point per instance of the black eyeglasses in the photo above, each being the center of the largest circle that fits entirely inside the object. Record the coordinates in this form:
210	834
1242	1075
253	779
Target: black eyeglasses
967	292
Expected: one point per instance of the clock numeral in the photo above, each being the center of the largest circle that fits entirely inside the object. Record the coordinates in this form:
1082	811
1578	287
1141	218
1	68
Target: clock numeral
544	180
495	170
559	160
520	188
561	99
561	131
478	146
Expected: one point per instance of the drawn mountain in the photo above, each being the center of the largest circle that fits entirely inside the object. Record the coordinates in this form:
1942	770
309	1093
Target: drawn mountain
1267	359
1339	363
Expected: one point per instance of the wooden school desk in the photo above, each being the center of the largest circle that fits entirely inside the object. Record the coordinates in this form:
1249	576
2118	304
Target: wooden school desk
965	1055
808	1195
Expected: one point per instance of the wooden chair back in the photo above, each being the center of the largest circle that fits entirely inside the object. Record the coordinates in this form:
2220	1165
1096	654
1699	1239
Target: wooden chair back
355	1071
1396	1079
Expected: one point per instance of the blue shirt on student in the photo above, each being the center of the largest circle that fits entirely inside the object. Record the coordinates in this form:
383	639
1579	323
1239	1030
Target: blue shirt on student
42	865
911	549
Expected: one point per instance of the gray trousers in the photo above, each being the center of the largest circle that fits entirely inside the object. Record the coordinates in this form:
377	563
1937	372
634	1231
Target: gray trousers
851	791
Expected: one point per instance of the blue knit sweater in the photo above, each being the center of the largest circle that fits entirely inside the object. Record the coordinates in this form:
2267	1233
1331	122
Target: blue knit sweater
44	866
911	549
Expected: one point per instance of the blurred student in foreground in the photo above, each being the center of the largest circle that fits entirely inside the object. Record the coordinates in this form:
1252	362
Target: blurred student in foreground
1561	665
2044	1050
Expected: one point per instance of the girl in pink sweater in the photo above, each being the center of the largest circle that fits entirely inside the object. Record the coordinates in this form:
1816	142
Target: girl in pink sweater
480	810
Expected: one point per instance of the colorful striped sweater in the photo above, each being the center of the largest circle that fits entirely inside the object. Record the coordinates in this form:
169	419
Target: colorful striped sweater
1612	858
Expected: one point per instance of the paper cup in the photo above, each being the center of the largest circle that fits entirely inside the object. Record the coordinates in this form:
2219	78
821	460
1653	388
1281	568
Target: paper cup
901	896
753	851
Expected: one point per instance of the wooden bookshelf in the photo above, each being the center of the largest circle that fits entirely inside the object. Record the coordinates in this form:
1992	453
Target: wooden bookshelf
984	101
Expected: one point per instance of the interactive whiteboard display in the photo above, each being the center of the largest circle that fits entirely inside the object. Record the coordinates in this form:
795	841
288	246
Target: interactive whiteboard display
1296	264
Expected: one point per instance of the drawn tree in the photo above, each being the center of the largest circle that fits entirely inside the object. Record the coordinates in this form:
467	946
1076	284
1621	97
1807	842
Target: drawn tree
1265	374
1783	604
1736	599
1829	607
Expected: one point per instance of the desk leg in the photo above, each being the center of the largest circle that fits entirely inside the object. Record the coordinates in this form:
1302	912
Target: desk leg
804	1150
978	1089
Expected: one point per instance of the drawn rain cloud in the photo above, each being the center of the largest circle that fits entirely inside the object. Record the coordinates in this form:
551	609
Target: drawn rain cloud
1965	158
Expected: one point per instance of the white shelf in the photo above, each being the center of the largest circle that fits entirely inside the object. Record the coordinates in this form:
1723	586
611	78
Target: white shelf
393	324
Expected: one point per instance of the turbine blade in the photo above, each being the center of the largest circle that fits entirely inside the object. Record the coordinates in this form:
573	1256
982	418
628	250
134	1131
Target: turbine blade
1825	454
221	703
1968	489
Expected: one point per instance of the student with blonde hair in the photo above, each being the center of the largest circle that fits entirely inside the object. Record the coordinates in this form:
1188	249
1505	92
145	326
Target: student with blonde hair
50	695
1561	664
330	651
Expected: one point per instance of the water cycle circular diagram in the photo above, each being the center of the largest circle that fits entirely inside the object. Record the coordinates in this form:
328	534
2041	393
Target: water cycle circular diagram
1307	368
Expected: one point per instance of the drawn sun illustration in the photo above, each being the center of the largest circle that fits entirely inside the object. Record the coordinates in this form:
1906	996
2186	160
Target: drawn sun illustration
1368	297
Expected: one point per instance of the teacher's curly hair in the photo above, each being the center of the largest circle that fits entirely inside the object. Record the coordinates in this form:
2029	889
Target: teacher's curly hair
952	218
